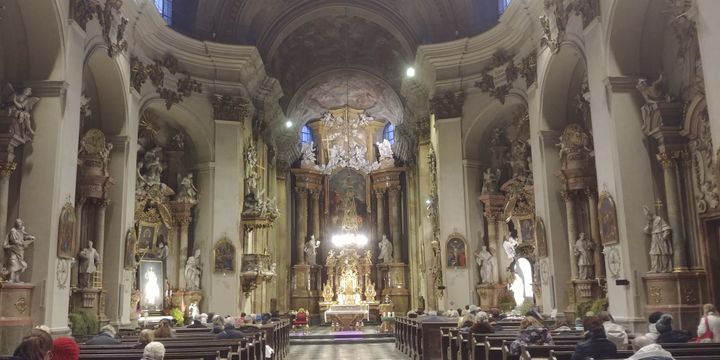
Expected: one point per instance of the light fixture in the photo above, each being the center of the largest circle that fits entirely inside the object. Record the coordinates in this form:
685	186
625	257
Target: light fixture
410	72
288	124
344	240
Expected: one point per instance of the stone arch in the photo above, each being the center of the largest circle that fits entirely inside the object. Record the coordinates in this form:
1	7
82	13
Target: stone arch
479	132
104	82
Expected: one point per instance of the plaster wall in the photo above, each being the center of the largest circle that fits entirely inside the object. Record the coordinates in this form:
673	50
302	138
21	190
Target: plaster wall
708	32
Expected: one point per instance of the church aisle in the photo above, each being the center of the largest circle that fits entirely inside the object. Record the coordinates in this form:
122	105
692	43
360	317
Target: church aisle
345	351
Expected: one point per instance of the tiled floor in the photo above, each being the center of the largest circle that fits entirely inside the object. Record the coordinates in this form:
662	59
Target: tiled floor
342	352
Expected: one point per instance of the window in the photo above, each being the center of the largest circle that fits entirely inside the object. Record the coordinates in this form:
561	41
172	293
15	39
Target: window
164	7
389	133
502	6
305	135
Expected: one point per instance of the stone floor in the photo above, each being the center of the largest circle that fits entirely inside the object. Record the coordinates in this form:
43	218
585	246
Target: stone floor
347	351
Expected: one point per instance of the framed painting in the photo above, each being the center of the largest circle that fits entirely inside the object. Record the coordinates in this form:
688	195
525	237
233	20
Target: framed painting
456	251
608	219
67	247
526	229
542	250
147	235
130	249
224	256
151	285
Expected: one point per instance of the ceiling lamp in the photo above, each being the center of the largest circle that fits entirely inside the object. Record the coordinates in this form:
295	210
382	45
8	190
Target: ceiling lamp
288	124
345	240
410	72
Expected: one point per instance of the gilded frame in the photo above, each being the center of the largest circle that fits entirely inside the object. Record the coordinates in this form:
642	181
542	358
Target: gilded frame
607	217
540	238
144	242
67	243
456	251
526	229
224	256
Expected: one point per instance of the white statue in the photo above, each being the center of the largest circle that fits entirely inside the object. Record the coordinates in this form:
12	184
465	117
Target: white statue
105	156
655	92
335	156
193	269
89	259
193	311
490	181
509	246
251	174
18	106
386	249
485	261
16	242
583	249
308	155
163	254
385	149
661	249
153	166
188	191
311	250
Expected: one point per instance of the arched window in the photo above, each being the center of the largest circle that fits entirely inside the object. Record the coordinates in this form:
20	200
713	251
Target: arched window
389	133
164	7
305	135
502	6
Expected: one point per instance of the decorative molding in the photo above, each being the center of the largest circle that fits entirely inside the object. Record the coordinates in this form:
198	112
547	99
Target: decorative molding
47	88
621	84
186	85
227	107
504	64
448	105
557	14
82	11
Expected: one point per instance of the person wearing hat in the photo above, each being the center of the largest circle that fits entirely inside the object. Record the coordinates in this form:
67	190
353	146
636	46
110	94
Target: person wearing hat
65	348
666	334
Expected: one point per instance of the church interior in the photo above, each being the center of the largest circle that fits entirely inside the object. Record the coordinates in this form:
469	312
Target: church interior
368	179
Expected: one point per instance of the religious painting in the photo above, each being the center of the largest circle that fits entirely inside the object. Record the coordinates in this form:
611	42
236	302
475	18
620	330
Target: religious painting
348	203
151	285
456	249
130	249
66	232
147	235
542	250
526	230
224	256
608	219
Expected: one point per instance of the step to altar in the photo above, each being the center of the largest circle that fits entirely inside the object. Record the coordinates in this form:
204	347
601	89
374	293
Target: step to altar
325	336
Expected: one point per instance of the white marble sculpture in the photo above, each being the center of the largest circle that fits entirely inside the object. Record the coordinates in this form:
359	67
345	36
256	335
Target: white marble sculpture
193	270
153	167
661	249
485	261
509	246
15	243
311	250
18	107
187	192
308	155
385	154
386	249
88	260
583	249
251	173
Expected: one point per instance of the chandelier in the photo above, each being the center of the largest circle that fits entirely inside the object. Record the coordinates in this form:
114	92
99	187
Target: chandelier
349	240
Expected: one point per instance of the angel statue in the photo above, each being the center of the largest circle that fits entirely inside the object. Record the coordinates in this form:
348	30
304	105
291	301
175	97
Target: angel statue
308	155
187	192
18	106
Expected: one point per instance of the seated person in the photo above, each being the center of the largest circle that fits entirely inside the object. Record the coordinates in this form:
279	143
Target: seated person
615	332
481	326
154	351
106	336
652	320
532	332
146	336
646	349
229	331
596	346
709	322
65	348
164	330
218	324
666	334
38	345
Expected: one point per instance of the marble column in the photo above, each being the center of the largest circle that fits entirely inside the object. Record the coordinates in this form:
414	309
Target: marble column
380	212
493	242
569	198
595	233
183	253
100	234
394	202
5	171
315	194
672	197
302	211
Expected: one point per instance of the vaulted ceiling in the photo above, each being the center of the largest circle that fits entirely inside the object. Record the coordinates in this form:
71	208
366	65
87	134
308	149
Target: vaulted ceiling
302	39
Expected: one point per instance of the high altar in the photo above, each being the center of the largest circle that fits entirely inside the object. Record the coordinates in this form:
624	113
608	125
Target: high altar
348	294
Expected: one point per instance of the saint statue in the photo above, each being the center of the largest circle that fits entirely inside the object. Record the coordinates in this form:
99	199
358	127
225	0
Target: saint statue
163	253
308	155
311	250
509	246
89	259
386	249
153	166
583	249
187	192
485	260
152	288
193	269
18	107
661	250
490	181
16	242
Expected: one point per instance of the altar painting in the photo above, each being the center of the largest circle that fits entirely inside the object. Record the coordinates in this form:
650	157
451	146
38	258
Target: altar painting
151	285
348	202
456	251
67	246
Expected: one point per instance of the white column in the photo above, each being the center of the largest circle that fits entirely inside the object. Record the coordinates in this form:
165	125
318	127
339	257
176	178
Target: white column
708	28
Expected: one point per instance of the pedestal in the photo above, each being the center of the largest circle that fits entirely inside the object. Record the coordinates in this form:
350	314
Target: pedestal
134	301
394	280
681	294
15	316
489	295
304	288
85	300
586	290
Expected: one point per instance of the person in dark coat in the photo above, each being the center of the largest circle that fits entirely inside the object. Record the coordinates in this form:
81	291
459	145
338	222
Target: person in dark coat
106	336
229	331
596	346
666	334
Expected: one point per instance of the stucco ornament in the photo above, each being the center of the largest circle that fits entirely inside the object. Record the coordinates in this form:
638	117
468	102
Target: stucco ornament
18	106
309	161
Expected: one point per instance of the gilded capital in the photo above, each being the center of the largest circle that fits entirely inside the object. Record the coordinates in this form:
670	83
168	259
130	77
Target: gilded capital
7	169
567	195
315	193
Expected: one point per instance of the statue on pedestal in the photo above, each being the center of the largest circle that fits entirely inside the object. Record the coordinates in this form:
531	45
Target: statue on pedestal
311	250
386	249
661	249
18	107
485	260
490	181
308	155
15	243
509	246
89	259
583	249
385	154
187	192
193	269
